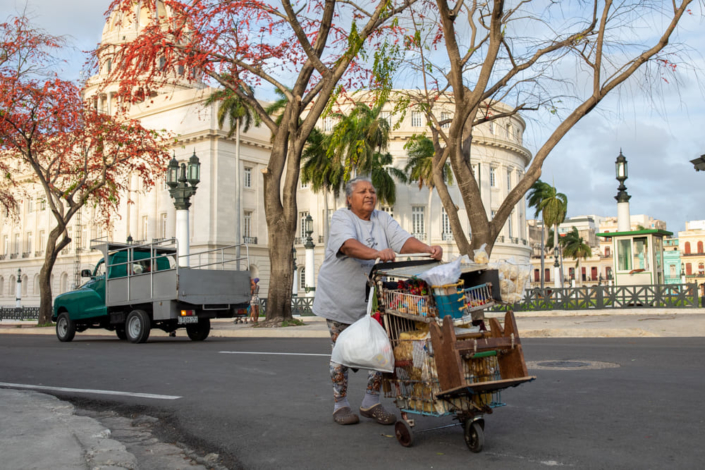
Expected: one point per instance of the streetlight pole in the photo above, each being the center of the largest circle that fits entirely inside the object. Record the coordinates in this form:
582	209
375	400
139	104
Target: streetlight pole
182	185
310	288
556	268
623	216
294	287
18	291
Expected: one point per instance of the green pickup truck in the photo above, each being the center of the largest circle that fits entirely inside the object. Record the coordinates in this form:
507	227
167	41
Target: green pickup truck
141	287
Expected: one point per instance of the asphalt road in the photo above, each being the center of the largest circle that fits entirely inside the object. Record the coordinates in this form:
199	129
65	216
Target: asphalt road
274	411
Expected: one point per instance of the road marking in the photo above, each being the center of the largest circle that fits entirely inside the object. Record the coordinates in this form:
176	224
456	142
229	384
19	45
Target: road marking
273	353
88	390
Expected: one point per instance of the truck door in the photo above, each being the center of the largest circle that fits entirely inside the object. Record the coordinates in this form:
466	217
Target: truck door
90	299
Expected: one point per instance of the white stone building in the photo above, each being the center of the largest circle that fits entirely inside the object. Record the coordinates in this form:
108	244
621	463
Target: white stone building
499	160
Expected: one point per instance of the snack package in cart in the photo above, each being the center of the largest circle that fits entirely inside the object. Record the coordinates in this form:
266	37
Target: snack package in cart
514	280
364	344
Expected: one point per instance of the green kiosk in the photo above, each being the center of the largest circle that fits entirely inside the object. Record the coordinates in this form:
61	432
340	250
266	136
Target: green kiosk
638	254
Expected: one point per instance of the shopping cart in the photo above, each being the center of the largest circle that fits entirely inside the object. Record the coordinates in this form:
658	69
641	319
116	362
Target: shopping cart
443	365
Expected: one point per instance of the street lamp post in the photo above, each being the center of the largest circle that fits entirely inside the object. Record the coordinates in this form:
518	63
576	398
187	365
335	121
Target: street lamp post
294	287
310	288
623	216
556	270
683	279
182	185
18	291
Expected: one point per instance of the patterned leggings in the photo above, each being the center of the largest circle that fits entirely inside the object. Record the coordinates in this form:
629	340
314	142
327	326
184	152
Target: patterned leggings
339	373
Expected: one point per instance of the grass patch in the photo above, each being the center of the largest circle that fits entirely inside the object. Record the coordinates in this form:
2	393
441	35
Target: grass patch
45	325
293	322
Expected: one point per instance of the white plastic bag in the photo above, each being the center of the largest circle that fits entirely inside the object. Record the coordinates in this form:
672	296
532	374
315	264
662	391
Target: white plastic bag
481	256
443	274
364	345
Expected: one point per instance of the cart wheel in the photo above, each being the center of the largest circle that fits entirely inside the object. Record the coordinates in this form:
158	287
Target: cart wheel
474	436
404	434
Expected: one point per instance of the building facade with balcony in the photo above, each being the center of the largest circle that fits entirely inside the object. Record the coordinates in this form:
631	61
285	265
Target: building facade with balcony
671	261
692	252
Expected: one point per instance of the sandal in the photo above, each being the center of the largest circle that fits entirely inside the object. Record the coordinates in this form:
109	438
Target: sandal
345	416
379	414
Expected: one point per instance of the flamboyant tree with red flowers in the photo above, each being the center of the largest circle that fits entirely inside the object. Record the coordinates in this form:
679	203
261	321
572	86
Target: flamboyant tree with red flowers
310	51
49	137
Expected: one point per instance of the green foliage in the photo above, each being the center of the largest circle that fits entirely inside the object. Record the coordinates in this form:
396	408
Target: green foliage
319	169
234	109
419	166
575	247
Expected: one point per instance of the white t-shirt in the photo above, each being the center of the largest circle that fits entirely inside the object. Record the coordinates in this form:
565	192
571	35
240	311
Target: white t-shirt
340	290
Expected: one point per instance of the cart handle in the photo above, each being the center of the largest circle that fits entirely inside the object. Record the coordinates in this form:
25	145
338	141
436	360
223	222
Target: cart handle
408	255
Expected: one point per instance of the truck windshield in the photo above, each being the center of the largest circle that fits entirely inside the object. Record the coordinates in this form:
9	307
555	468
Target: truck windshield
99	269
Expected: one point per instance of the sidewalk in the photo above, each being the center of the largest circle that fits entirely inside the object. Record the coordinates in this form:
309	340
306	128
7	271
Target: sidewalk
624	323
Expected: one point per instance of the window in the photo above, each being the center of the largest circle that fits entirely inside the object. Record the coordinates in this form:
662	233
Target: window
537	275
593	273
247	226
417	221
445	117
42	204
386	116
5	245
509	179
688	269
109	65
547	274
389	210
302	224
30	205
162	63
608	271
701	269
672	271
145	228
17	243
607	251
493	177
641	253
180	69
162	226
302	279
518	136
247	181
571	273
29	242
445	223
687	248
510	132
416	119
624	255
700	248
328	124
84	238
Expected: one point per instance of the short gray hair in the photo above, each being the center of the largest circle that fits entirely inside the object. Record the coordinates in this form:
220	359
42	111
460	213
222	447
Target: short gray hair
350	187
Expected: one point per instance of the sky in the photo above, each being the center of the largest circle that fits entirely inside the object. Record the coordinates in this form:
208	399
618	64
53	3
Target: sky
658	135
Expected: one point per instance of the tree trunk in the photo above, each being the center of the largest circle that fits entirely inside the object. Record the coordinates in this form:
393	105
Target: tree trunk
326	227
45	294
430	224
238	195
543	257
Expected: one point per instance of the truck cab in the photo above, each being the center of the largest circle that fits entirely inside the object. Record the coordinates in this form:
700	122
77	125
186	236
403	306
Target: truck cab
141	287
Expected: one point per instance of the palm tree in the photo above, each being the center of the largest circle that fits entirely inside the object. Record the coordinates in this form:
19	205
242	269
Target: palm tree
419	168
240	115
575	247
321	171
382	174
358	136
538	192
359	143
553	207
277	106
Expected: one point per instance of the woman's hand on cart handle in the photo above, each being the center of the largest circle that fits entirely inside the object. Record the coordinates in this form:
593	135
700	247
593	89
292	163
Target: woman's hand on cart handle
386	255
436	252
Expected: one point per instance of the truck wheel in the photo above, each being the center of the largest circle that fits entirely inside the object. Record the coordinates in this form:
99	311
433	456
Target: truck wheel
200	330
65	328
121	333
137	326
